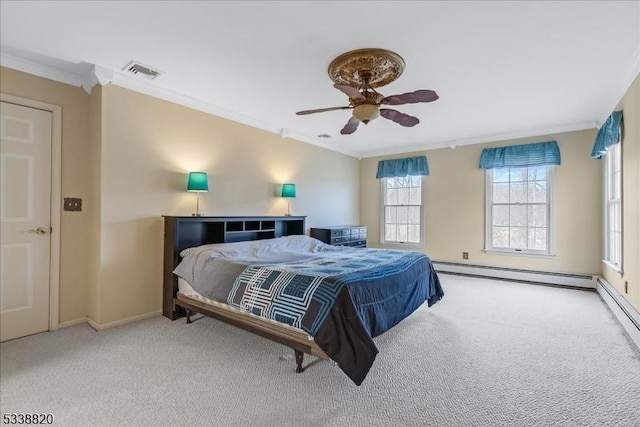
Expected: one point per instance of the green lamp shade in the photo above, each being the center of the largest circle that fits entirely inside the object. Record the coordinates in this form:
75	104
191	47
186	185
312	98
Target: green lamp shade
198	182
288	190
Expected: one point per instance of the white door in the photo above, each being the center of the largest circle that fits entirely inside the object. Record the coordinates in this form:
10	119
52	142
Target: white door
25	220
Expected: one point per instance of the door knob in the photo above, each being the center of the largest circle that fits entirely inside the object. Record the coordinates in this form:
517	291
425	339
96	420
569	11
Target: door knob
39	231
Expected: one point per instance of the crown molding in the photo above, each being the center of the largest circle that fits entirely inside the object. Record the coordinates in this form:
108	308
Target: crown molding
102	76
144	87
630	74
30	67
538	132
621	89
97	75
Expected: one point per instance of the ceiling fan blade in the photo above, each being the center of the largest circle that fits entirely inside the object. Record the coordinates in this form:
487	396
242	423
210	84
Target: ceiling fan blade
350	91
350	127
320	110
410	97
398	117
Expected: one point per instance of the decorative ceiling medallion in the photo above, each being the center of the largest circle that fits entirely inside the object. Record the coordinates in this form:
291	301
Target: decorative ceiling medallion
378	67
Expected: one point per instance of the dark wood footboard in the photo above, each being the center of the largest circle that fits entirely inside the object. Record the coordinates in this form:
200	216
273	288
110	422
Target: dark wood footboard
295	339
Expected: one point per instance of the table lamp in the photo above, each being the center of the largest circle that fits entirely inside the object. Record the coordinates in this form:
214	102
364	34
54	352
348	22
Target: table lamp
288	191
197	183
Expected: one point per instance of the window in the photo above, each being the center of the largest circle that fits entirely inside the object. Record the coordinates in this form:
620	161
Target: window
519	206
402	210
613	206
608	145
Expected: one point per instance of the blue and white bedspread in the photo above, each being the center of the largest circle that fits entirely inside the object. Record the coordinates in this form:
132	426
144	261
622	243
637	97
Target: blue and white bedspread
302	293
342	297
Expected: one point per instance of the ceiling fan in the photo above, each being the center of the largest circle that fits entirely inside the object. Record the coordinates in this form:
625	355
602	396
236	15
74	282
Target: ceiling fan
357	74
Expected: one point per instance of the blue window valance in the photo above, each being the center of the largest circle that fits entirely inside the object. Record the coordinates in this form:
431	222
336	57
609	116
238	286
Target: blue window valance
541	153
608	135
403	167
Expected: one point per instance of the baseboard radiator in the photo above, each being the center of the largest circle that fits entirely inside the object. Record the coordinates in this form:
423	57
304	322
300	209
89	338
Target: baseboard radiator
628	316
580	281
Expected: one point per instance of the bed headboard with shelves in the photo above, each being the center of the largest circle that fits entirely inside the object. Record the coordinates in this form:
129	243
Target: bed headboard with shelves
182	232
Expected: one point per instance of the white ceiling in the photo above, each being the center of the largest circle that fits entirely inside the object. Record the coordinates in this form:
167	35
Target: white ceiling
502	69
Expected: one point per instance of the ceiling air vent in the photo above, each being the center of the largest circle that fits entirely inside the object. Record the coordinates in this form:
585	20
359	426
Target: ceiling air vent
141	70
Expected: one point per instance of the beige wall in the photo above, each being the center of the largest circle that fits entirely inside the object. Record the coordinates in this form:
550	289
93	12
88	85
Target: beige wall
127	156
74	259
630	106
454	212
148	146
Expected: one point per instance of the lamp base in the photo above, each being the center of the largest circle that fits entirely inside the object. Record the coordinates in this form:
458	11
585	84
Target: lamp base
196	214
287	214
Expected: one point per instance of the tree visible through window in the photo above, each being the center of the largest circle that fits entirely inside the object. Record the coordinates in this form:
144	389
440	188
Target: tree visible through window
518	209
402	209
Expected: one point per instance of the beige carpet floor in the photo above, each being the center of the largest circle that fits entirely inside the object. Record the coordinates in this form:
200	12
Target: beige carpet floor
491	353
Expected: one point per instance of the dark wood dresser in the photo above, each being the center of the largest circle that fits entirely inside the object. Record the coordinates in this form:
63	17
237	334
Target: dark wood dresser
342	235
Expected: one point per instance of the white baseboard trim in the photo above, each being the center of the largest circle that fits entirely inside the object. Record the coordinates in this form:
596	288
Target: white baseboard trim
628	317
72	322
101	326
531	276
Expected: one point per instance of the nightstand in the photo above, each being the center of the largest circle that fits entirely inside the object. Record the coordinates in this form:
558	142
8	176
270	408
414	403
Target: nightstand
342	235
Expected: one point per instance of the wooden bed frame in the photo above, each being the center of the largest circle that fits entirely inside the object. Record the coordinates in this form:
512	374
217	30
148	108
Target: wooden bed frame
181	232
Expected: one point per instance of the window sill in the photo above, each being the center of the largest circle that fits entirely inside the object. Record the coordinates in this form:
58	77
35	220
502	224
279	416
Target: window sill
521	254
616	268
408	245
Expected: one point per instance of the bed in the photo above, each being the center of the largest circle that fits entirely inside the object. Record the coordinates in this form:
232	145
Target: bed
318	299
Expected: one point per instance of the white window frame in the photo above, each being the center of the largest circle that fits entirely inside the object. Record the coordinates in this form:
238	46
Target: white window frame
383	189
613	166
489	248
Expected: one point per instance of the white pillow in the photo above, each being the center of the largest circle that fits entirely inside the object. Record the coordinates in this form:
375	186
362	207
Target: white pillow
185	252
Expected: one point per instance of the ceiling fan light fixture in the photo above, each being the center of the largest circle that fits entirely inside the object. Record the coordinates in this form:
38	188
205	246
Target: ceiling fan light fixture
366	112
357	73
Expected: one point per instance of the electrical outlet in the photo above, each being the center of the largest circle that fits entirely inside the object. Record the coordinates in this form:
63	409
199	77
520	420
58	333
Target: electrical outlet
465	255
72	204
